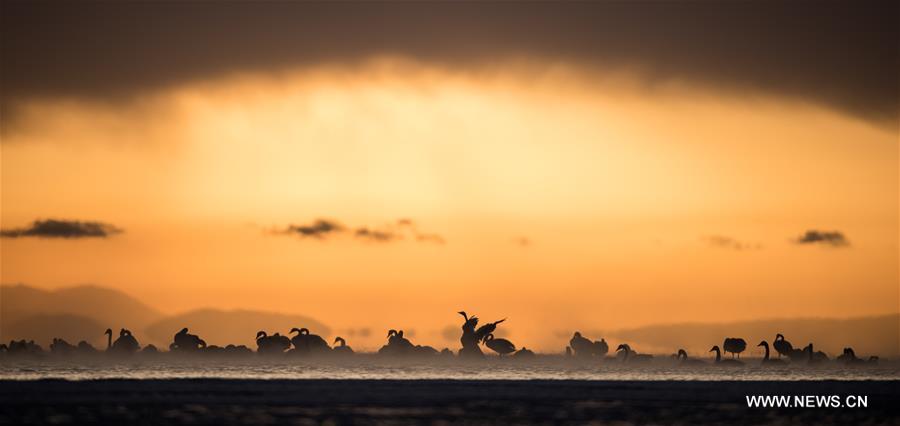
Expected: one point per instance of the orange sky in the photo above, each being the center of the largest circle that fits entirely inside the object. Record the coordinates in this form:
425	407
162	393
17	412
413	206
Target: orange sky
618	186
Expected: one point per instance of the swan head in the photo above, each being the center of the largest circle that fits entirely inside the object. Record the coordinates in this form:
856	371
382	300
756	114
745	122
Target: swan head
294	330
576	335
763	343
183	331
714	349
682	353
304	331
400	333
623	347
391	332
463	313
260	334
779	336
339	339
108	331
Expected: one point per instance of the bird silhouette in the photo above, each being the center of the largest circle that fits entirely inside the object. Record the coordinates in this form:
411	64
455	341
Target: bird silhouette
523	353
500	346
735	345
581	346
483	331
306	343
683	359
126	344
341	349
630	355
814	357
271	345
783	347
186	342
724	362
766	360
600	348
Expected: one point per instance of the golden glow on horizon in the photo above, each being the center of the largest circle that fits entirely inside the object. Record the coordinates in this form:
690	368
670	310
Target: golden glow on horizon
616	184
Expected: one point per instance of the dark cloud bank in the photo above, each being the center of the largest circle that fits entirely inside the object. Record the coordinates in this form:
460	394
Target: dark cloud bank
53	228
838	53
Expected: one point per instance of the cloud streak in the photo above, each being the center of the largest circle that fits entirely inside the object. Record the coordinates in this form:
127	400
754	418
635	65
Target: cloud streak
320	229
828	238
726	242
69	229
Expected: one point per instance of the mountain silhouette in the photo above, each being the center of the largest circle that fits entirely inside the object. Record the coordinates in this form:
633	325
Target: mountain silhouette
220	327
44	328
33	313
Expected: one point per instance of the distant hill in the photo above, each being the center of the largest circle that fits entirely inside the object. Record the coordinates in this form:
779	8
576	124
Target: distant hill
34	313
239	326
867	335
44	328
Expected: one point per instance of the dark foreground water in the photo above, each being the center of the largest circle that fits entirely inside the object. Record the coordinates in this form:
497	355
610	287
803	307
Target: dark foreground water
244	401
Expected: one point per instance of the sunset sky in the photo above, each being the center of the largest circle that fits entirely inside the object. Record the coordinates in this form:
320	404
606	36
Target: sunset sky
592	166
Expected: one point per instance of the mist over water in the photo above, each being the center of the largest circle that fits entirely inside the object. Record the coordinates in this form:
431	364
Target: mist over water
372	367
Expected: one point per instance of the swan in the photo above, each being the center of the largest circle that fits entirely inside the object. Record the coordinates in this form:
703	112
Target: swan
783	347
308	343
683	359
849	357
126	344
342	349
483	331
397	344
501	346
814	357
184	341
766	360
582	346
468	338
600	348
632	356
274	344
724	362
61	347
524	353
735	345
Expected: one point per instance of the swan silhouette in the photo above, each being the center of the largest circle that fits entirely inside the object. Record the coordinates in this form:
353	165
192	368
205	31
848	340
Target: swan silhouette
307	343
683	359
342	349
766	360
184	341
271	345
126	344
500	346
724	362
600	348
630	355
397	344
469	338
523	353
735	345
483	331
814	357
581	346
783	347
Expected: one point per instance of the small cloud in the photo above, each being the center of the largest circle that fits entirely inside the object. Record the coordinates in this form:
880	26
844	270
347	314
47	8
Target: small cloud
52	228
830	238
376	235
430	238
318	229
722	241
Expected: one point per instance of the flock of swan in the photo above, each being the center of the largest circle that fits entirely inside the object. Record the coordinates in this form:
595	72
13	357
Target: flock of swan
300	342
